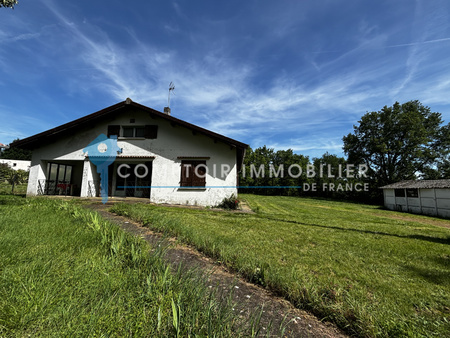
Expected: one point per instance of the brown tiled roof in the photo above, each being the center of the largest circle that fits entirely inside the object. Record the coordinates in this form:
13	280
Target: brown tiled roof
419	184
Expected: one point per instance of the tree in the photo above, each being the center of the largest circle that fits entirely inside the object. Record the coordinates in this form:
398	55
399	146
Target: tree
256	170
330	164
8	3
267	171
284	159
16	153
441	169
398	142
11	176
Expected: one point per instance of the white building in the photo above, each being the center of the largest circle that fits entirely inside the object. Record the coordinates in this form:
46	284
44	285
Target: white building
155	156
429	197
17	164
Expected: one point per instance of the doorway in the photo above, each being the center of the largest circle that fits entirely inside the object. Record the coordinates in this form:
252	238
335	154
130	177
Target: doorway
134	179
59	179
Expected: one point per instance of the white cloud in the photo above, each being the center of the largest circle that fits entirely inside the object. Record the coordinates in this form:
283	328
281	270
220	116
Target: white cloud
223	90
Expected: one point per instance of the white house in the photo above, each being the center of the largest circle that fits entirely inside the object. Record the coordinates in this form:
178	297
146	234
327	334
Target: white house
153	155
17	164
429	197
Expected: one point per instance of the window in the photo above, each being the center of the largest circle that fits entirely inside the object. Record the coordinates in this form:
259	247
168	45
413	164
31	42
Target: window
134	132
412	192
149	131
59	172
193	173
399	192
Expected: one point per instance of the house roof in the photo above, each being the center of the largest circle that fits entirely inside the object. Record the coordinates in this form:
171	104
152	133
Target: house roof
419	184
51	135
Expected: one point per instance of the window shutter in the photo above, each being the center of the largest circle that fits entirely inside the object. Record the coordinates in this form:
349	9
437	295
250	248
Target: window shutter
200	180
185	174
113	130
151	131
188	175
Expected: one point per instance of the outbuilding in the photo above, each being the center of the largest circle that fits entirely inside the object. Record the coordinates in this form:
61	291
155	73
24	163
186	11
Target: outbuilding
17	164
428	197
141	152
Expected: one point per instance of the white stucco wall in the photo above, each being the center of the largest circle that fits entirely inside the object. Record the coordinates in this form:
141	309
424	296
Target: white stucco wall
17	164
172	142
37	172
432	202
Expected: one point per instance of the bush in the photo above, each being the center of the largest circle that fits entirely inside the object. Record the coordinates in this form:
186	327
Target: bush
229	203
5	172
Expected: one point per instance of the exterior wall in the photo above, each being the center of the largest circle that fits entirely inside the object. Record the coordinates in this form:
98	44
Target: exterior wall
17	164
166	173
37	172
171	143
89	175
389	199
443	202
431	202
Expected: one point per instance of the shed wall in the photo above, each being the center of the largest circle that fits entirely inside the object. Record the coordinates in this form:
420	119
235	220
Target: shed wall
432	202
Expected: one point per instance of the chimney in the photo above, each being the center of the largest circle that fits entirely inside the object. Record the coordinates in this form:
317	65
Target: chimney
167	110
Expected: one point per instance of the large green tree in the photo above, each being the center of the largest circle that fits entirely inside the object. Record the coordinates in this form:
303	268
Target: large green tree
398	142
8	3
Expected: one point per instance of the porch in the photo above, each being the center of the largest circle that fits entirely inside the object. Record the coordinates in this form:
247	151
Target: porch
129	178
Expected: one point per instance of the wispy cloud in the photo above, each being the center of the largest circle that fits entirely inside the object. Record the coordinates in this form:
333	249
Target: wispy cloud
20	37
264	78
419	43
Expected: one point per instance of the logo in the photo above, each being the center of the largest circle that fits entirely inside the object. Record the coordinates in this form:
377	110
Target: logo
102	152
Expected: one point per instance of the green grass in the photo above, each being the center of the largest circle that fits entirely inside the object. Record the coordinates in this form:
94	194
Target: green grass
66	272
355	265
19	189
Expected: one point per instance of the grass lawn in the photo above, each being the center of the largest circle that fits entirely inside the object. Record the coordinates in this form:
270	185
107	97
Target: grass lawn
20	189
66	272
371	271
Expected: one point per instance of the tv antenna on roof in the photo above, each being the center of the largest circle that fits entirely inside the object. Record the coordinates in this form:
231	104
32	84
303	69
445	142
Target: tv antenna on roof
171	89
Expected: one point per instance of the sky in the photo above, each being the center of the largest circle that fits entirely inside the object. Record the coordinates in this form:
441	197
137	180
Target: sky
285	74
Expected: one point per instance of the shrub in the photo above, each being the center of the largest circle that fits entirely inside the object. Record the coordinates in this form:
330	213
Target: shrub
229	203
5	171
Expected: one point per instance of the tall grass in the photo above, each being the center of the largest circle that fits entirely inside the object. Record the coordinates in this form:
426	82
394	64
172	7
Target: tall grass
65	271
356	265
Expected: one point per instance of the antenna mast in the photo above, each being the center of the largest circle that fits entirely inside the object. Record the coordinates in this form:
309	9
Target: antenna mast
171	89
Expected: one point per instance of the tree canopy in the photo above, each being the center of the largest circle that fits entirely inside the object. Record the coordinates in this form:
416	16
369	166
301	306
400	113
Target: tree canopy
16	153
8	3
399	142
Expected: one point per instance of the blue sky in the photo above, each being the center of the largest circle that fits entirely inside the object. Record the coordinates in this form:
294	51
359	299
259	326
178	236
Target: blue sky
286	74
